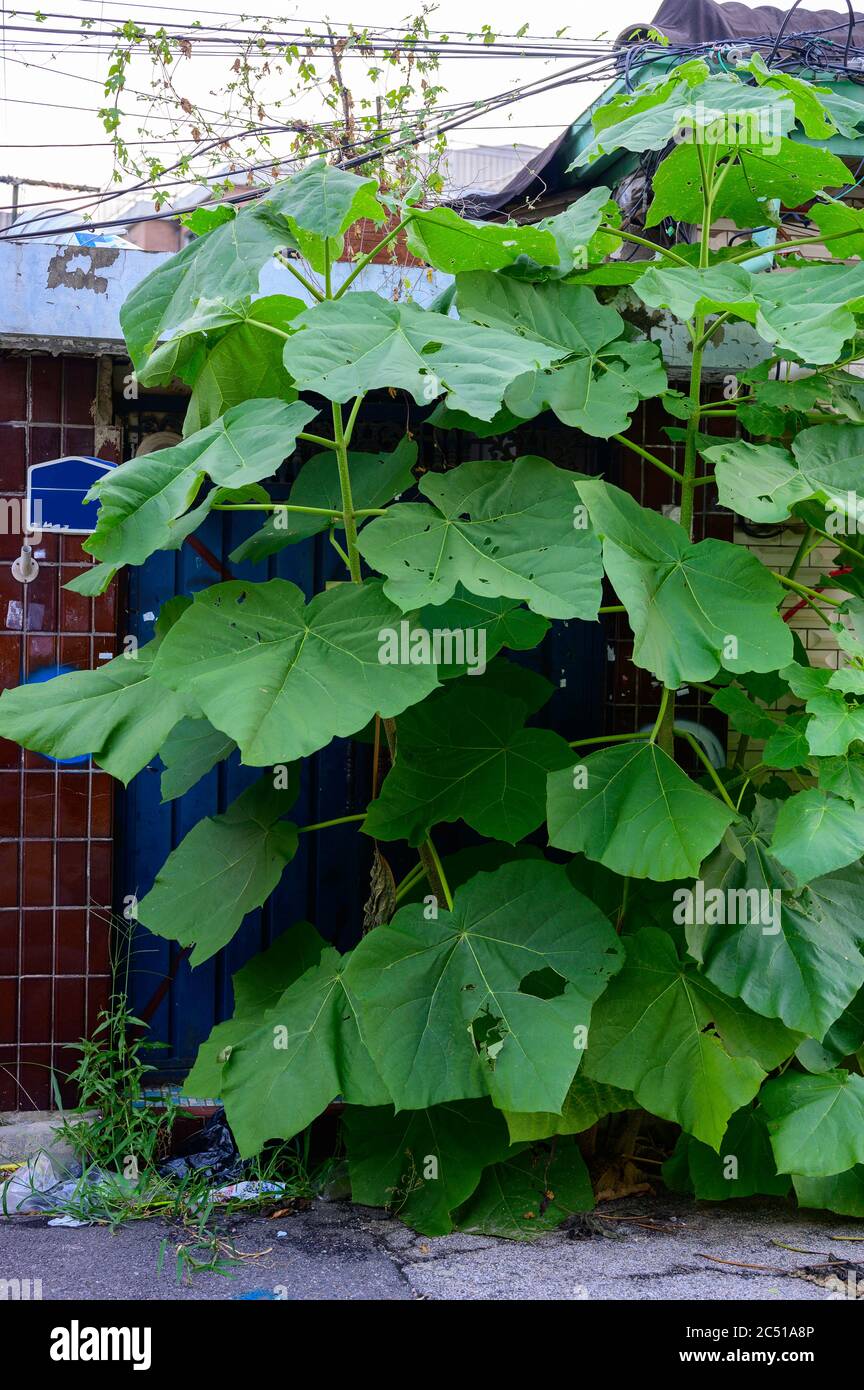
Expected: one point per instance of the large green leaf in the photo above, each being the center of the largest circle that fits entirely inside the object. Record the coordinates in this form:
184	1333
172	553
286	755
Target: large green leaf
687	1052
631	808
528	1193
199	288
842	1192
816	1123
422	1164
687	290
649	119
789	955
257	987
143	504
788	172
586	1103
604	375
320	203
462	756
693	607
245	362
502	621
363	342
191	749
764	481
500	529
836	722
809	311
817	833
375	480
118	712
448	1001
452	243
226	867
844	776
742	1167
283	678
307	1050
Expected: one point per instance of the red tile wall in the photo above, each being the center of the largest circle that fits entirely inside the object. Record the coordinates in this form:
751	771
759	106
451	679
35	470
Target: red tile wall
55	820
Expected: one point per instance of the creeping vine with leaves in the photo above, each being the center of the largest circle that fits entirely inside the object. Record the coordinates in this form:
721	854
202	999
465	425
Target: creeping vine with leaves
507	998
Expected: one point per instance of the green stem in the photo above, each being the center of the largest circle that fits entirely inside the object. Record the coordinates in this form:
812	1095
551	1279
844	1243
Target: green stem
328	277
786	248
326	824
661	714
652	458
606	738
298	275
348	514
800	553
707	764
651	245
612	608
318	439
288	507
361	265
712	329
803	589
433	855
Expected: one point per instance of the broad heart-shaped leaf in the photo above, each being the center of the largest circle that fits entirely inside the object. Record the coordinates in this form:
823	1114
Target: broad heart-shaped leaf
224	868
308	1049
421	1164
742	1167
143	503
586	1103
362	342
322	202
687	290
282	678
217	271
631	808
816	1123
375	480
789	955
787	171
497	623
452	243
649	120
816	833
693	607
843	1038
809	310
528	1193
464	756
836	722
687	1053
191	749
764	481
447	1005
502	530
244	363
257	987
118	713
743	713
604	376
844	776
842	1192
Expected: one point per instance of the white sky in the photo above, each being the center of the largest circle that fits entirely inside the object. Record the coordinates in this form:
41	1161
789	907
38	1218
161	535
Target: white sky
535	121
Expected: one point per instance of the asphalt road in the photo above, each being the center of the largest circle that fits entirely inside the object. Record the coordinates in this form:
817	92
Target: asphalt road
668	1249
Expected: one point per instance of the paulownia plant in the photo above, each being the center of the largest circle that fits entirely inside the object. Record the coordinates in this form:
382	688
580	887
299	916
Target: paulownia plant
507	999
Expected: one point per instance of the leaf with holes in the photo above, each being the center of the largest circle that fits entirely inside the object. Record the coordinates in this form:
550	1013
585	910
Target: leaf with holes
489	999
501	530
282	678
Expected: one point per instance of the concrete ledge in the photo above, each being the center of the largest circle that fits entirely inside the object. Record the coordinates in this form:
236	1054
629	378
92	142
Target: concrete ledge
26	1133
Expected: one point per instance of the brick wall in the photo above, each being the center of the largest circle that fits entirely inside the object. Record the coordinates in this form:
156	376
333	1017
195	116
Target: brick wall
55	821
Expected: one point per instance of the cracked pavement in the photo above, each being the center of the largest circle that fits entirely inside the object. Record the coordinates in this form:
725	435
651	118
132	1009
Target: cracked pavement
336	1251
